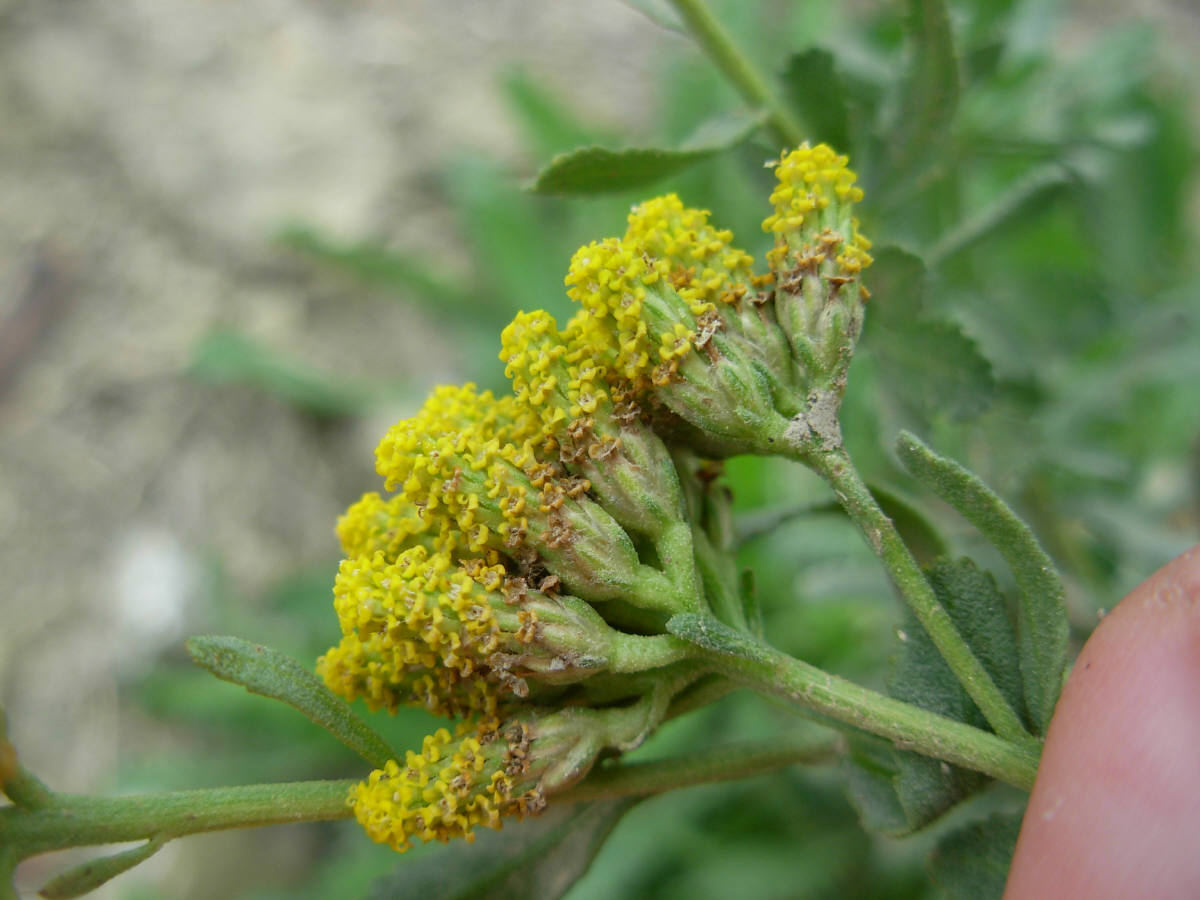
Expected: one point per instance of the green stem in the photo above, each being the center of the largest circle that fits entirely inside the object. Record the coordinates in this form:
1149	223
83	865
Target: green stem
676	553
717	764
837	469
908	727
638	653
20	785
76	821
718	572
737	67
706	689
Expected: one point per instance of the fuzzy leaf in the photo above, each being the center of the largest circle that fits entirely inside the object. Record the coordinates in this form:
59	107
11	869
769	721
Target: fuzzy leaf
714	635
972	863
870	770
930	91
923	788
927	365
814	89
1042	628
595	170
539	857
262	670
1018	204
85	878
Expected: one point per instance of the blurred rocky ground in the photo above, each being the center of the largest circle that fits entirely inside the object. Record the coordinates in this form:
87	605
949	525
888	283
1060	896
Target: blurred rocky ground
149	151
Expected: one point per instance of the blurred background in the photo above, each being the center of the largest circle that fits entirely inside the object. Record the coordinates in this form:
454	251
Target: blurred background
237	241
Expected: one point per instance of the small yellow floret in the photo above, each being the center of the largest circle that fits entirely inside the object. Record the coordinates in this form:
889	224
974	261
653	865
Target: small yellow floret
445	791
810	178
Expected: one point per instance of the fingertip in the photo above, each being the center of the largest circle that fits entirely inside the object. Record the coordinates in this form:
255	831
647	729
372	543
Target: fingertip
1115	811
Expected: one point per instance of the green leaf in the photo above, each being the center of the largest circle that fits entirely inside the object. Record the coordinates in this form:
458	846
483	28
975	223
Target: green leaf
89	876
660	12
224	358
815	91
930	90
388	269
595	170
714	635
548	125
8	868
870	772
927	365
972	863
539	857
923	789
1021	200
923	540
1042	628
270	673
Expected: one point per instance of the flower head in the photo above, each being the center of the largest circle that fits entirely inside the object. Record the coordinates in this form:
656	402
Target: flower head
818	259
458	636
488	771
591	424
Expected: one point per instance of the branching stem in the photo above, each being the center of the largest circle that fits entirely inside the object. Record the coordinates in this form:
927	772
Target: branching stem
837	469
737	67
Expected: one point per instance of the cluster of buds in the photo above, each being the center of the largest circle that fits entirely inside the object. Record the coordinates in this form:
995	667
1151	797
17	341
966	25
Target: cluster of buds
522	572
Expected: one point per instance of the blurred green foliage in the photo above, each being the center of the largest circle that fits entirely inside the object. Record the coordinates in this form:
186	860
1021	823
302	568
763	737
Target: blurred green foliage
1031	207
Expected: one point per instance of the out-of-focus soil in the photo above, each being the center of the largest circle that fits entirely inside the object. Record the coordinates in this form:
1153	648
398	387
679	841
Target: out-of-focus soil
149	150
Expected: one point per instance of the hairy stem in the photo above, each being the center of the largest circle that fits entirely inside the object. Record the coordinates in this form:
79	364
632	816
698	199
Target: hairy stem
909	727
716	764
76	821
737	67
837	469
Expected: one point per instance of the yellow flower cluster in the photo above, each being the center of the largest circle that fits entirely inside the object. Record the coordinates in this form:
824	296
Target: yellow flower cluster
423	616
455	591
590	418
816	187
555	375
448	789
652	293
704	266
460	462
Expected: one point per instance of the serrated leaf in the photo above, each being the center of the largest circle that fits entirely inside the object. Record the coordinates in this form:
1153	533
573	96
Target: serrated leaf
897	282
870	773
927	365
540	857
922	788
596	170
1042	627
714	635
814	89
930	89
87	877
270	673
972	862
1023	199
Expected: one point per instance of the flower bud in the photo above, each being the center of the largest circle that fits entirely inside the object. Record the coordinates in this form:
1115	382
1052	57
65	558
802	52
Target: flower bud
671	344
595	428
425	626
487	773
469	464
817	261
